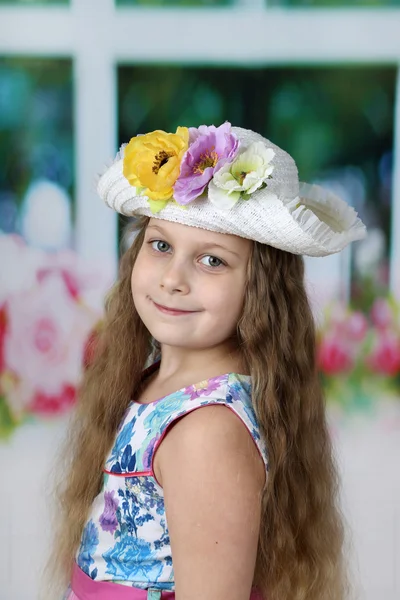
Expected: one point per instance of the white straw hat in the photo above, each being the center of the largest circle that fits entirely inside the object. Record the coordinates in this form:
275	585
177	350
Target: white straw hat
264	202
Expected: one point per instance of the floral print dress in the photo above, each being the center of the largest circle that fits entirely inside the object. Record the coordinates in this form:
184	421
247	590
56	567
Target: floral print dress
125	539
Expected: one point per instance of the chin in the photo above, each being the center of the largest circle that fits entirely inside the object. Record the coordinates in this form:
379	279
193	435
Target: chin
173	341
176	339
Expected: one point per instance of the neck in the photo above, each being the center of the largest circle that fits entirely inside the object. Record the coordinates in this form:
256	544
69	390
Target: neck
203	363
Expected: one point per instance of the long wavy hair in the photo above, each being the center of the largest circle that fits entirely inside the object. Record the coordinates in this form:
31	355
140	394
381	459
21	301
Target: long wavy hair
301	545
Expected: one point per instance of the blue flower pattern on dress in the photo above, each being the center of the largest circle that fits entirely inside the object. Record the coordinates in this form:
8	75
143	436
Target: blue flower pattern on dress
126	538
130	557
120	448
89	541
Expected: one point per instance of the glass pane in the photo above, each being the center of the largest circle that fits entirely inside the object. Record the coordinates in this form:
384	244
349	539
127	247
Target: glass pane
35	131
336	122
30	2
166	3
334	3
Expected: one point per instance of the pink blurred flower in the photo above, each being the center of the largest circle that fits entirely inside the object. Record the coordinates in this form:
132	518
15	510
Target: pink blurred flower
82	281
357	326
385	356
382	313
337	318
19	265
334	356
49	305
45	338
69	278
3	329
53	403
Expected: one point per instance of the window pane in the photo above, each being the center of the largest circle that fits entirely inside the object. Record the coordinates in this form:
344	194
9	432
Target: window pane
35	132
337	122
30	2
166	3
334	3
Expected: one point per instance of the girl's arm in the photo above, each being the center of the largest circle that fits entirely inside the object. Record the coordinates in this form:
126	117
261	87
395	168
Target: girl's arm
213	476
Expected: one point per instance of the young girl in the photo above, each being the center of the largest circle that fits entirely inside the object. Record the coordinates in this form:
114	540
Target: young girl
237	500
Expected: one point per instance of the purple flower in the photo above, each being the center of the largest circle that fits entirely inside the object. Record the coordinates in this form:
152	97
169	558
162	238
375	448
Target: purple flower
108	519
209	149
148	454
205	390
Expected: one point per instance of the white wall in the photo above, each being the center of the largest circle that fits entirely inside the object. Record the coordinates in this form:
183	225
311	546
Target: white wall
24	524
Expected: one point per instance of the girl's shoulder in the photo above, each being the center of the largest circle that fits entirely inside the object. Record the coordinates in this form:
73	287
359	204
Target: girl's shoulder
145	425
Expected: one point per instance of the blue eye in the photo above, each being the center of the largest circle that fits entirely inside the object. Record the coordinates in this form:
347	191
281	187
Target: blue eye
160	246
211	261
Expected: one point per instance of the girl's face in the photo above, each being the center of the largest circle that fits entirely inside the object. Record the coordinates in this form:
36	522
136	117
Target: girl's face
188	284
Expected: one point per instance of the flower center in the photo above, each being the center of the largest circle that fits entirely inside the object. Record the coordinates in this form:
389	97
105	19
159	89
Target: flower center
45	335
160	160
207	159
241	177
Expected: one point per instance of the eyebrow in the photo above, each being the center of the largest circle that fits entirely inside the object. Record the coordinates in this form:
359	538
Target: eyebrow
205	246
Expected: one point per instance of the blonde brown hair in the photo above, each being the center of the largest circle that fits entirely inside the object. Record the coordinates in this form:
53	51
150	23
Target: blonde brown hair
300	553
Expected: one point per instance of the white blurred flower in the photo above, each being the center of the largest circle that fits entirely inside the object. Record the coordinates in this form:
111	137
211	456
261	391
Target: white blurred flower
46	216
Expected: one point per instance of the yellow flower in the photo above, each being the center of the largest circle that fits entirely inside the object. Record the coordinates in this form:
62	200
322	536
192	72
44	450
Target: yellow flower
152	162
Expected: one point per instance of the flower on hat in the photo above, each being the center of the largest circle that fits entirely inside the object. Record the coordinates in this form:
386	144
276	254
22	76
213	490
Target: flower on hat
152	164
239	179
210	148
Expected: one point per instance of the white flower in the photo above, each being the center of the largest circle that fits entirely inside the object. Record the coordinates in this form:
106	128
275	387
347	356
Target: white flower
244	175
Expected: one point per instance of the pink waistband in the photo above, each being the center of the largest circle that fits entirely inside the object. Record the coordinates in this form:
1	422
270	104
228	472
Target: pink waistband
86	588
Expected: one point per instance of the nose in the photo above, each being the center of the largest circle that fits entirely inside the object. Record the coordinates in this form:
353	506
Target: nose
174	278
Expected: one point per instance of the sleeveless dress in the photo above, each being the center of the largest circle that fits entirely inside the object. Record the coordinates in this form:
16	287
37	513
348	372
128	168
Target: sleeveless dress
126	540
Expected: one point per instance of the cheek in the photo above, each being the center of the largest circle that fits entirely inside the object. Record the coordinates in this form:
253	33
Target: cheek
139	276
227	301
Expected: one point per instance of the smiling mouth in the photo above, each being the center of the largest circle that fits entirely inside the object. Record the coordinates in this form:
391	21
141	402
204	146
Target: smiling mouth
172	311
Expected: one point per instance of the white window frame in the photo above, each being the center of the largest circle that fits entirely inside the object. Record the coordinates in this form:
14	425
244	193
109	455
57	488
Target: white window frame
98	36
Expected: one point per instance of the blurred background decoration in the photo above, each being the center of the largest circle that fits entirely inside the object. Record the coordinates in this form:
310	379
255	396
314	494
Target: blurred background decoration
50	299
321	78
338	122
359	356
50	306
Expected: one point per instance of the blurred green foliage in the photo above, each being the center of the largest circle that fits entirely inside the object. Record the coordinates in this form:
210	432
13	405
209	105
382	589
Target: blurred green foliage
289	3
175	3
30	2
324	116
36	126
335	3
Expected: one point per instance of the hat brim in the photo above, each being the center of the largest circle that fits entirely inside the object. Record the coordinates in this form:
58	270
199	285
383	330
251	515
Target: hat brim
315	223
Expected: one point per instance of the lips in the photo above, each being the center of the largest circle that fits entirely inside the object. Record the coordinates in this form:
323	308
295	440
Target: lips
172	311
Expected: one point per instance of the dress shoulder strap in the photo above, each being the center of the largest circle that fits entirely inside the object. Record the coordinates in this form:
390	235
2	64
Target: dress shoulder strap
146	425
230	390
